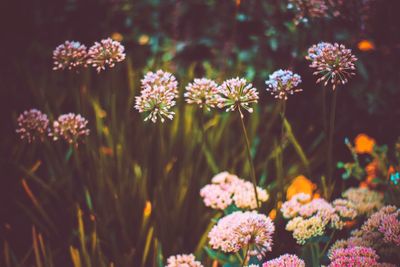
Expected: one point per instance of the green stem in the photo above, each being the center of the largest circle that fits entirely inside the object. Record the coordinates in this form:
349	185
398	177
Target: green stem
327	244
281	174
253	174
330	141
245	256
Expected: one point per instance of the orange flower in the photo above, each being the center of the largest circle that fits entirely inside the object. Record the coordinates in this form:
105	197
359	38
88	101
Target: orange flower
272	214
364	144
116	36
300	184
365	45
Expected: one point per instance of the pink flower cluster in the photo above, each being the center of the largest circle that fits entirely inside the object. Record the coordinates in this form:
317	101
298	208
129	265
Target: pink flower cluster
70	127
236	93
32	125
227	189
286	260
157	97
203	92
282	83
183	260
241	230
365	200
353	257
73	55
332	62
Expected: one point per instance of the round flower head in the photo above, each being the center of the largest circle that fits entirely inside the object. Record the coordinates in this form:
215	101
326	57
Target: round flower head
282	83
69	55
332	62
70	127
157	97
183	260
286	260
305	229
203	92
106	53
32	125
308	8
241	229
365	200
353	257
237	93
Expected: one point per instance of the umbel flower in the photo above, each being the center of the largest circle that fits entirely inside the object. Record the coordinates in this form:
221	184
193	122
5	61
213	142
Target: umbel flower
32	125
105	53
236	94
70	127
227	189
69	55
203	92
286	260
157	96
365	200
353	257
334	63
240	230
282	83
183	260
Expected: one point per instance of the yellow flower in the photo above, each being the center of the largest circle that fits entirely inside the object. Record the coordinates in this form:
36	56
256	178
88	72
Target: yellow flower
365	45
364	144
144	39
300	184
116	36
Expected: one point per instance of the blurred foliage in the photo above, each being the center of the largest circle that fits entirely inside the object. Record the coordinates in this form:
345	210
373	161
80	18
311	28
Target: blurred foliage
90	206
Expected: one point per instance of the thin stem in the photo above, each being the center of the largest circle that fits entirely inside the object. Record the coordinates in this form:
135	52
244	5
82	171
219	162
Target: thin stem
330	141
253	174
327	244
245	256
281	174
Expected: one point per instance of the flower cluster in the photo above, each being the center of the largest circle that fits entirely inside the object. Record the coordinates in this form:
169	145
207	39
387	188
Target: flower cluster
237	93
380	232
282	83
353	257
32	125
183	260
243	230
310	218
105	53
286	260
365	200
69	55
70	127
332	62
308	8
203	92
227	189
157	97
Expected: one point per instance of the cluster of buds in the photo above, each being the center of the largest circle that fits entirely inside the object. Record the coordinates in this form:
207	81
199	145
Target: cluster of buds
334	63
70	55
105	53
203	92
282	83
32	125
70	127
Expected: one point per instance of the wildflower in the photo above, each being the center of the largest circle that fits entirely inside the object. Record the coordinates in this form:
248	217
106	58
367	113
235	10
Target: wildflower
365	201
353	257
332	62
183	260
237	93
286	260
282	83
300	184
116	36
390	228
32	125
69	55
144	39
227	189
366	45
310	8
203	92
292	207
158	94
364	144
240	230
106	53
306	229
70	127
345	210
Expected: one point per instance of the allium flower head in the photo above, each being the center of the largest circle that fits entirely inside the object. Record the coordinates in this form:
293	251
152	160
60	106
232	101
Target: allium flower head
105	53
286	260
157	97
203	92
183	260
32	125
353	257
227	189
282	83
308	8
69	55
70	127
241	229
332	62
237	93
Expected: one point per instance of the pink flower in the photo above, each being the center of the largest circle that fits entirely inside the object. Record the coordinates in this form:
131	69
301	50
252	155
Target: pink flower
69	55
353	257
32	125
105	54
183	260
285	260
282	83
203	92
70	127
